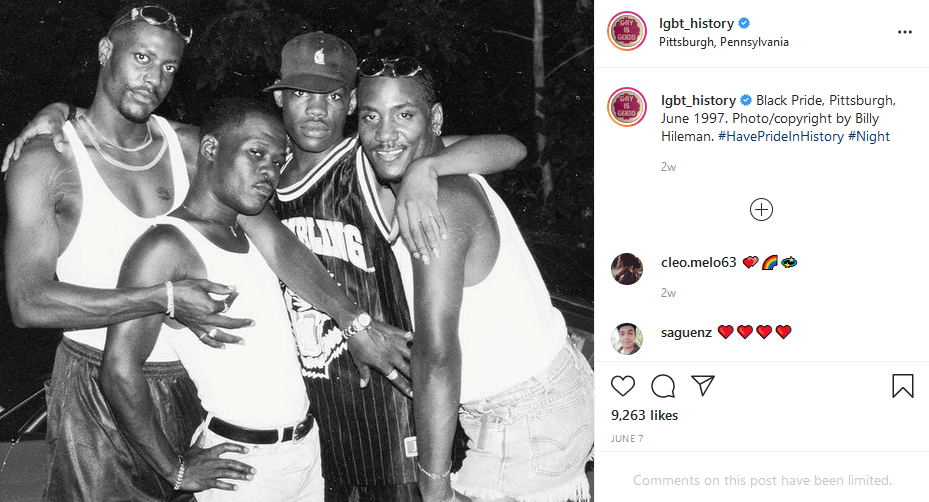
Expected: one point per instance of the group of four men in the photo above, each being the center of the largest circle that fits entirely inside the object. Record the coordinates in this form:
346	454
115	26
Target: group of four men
125	417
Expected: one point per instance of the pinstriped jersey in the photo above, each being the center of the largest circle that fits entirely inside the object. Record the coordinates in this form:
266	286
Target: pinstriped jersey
334	210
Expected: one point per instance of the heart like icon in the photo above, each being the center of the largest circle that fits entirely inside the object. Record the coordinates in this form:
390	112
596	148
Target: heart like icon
783	331
622	384
750	261
763	330
745	331
725	331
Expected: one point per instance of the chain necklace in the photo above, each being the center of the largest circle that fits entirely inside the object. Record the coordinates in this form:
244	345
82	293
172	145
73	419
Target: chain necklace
230	227
148	136
117	163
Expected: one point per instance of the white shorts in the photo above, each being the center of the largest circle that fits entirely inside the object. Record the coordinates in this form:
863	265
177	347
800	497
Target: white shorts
285	472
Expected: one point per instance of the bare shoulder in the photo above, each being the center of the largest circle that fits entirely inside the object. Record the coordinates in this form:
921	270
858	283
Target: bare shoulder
162	243
39	159
461	198
43	177
163	250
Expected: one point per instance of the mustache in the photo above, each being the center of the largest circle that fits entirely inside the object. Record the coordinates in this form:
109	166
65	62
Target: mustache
144	89
315	124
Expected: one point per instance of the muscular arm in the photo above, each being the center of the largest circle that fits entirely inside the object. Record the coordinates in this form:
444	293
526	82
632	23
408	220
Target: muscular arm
381	346
160	254
153	258
297	266
436	361
43	192
420	220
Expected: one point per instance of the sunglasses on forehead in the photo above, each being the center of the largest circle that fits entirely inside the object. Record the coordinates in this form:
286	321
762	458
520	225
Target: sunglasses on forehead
399	67
156	16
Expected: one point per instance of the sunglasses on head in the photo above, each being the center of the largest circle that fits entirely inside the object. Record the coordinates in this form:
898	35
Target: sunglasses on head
399	67
157	16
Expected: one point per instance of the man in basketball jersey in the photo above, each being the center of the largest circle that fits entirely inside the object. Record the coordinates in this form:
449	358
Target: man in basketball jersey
331	204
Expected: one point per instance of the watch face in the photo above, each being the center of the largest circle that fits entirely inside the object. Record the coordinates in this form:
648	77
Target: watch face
364	320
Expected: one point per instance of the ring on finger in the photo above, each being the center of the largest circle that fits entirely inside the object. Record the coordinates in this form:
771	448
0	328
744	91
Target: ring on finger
393	374
203	335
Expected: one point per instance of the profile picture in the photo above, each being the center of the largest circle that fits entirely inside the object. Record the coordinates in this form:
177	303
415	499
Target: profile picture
627	31
627	269
627	339
627	106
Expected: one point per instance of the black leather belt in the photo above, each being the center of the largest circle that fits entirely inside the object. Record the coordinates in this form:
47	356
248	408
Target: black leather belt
261	436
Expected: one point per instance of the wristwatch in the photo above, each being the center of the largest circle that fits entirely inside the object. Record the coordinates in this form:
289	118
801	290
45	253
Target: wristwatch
362	322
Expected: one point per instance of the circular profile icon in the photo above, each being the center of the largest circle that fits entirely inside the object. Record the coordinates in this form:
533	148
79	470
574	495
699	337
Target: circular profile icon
627	269
627	106
627	31
627	339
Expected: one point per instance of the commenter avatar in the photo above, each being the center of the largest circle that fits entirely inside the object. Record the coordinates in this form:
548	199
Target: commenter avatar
627	339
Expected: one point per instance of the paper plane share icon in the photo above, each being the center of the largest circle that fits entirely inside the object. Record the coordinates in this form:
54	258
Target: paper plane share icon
704	382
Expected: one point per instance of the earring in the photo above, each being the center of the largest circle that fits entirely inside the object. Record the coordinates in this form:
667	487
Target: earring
437	131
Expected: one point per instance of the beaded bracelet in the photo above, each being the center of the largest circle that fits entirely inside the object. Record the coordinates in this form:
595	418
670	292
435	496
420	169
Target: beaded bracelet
170	288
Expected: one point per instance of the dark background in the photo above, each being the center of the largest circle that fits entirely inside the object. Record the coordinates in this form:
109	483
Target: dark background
481	52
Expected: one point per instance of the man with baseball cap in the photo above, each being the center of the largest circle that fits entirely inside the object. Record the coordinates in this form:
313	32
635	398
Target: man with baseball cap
331	204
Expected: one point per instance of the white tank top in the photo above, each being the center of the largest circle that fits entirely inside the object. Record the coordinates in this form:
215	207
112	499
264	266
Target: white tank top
106	229
256	385
508	328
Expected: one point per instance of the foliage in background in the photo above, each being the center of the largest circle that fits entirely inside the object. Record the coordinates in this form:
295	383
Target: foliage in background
480	51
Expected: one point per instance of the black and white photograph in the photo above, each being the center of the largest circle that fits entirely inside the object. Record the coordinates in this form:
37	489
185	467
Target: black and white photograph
288	250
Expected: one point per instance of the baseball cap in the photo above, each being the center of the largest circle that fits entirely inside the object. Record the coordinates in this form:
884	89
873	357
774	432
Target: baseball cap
316	62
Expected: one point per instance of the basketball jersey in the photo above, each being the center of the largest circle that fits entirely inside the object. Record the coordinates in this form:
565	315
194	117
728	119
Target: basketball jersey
365	434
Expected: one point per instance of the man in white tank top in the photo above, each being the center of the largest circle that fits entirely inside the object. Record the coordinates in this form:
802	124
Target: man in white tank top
254	394
490	348
74	215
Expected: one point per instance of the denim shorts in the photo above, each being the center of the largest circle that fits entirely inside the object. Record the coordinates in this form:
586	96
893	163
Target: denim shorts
532	441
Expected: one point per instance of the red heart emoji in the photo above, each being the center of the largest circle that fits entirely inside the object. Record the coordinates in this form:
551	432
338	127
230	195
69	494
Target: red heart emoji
783	331
750	261
764	331
724	330
745	331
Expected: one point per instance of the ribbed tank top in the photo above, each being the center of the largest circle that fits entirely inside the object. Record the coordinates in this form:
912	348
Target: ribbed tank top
106	229
508	328
256	385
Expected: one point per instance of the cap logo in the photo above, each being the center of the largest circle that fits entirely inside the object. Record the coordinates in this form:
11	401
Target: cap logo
319	57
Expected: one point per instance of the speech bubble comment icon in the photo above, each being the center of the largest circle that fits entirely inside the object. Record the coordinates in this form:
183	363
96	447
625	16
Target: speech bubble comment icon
622	384
663	386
